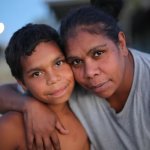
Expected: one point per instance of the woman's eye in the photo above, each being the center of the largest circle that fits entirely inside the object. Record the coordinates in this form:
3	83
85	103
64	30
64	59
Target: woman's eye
75	62
97	53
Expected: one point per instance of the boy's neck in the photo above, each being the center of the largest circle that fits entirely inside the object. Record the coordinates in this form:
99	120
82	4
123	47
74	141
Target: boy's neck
60	109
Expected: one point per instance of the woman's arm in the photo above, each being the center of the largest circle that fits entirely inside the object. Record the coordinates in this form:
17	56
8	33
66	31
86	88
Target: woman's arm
11	98
40	122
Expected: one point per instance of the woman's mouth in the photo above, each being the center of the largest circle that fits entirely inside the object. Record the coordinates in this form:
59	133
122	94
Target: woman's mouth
99	87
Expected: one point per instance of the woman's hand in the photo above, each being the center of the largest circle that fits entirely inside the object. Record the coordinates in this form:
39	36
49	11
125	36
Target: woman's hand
41	125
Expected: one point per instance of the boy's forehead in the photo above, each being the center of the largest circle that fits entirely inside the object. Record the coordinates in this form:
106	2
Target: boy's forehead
43	51
52	46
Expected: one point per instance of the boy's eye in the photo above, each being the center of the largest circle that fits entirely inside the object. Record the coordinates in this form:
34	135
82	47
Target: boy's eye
37	74
60	62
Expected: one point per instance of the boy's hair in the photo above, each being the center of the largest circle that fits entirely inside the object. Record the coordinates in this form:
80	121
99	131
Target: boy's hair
89	19
23	43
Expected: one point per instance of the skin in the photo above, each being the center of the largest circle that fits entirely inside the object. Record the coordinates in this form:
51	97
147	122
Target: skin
108	73
101	66
46	80
50	79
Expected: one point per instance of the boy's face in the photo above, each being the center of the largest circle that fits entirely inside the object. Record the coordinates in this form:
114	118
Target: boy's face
46	74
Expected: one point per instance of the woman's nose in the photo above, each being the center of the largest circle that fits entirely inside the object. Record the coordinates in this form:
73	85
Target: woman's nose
91	69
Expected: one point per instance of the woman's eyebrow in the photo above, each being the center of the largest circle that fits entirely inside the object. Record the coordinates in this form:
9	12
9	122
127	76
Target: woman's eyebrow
98	46
69	58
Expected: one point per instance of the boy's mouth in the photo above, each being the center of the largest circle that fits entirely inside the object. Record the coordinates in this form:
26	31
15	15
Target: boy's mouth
59	92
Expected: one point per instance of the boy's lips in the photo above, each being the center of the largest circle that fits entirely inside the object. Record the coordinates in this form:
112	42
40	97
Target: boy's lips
59	92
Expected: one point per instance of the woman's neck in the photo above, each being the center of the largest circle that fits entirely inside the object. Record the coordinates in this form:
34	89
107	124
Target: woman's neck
119	98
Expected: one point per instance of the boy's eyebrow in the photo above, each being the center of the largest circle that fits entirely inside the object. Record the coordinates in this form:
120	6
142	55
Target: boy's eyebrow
61	56
37	68
33	69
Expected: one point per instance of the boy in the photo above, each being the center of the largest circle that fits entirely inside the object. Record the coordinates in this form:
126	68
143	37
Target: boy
36	61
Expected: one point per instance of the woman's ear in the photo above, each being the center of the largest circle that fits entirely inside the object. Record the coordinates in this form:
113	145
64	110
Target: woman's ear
122	43
22	85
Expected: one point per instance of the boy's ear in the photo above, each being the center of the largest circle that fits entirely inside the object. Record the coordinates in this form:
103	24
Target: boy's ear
22	85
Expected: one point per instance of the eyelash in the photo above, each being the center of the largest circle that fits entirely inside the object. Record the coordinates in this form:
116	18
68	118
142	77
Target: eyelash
35	74
96	53
60	62
75	62
99	52
57	64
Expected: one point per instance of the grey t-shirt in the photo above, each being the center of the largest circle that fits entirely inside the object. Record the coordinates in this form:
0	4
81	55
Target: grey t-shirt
127	130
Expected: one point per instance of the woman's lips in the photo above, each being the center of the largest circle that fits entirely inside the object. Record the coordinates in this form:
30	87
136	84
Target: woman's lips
99	87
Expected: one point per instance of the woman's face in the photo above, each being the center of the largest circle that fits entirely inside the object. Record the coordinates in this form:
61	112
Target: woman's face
97	62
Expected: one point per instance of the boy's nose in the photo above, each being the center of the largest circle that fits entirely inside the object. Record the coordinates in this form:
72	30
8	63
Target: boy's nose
52	78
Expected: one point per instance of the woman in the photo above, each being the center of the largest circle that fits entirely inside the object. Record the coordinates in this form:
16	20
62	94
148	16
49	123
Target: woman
115	110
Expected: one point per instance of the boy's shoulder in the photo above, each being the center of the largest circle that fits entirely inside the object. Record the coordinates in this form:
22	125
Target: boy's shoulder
12	131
